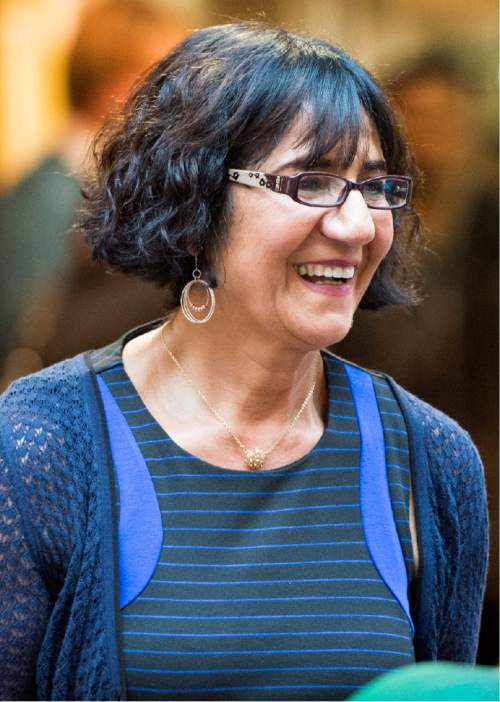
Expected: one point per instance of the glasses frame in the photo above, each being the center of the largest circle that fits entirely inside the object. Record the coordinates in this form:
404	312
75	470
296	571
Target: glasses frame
289	185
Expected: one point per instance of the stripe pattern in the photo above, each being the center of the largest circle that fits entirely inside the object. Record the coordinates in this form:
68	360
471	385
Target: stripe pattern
265	588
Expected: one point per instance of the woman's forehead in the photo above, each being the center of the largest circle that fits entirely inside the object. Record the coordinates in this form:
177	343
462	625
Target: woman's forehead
295	152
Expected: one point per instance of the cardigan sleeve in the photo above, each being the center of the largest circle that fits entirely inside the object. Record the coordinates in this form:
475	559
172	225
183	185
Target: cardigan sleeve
24	600
57	603
36	533
452	527
467	550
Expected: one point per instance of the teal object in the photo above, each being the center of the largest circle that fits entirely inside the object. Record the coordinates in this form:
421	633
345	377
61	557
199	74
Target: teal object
434	681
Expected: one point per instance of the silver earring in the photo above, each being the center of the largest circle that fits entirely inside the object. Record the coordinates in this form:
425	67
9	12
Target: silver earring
187	305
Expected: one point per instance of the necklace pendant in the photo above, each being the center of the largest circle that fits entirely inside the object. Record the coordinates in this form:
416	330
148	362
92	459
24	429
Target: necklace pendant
255	458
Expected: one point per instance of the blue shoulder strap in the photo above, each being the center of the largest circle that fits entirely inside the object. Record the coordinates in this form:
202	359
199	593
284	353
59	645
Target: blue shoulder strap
376	508
140	534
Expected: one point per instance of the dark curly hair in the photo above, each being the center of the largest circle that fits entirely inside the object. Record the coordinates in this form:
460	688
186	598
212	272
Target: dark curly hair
224	97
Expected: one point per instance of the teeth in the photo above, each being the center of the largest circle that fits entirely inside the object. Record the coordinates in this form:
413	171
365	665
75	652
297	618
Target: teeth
318	269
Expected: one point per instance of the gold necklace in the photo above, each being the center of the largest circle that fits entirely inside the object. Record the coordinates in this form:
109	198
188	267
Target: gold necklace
254	457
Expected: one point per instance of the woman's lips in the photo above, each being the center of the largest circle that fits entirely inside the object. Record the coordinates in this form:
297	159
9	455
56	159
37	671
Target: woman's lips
330	289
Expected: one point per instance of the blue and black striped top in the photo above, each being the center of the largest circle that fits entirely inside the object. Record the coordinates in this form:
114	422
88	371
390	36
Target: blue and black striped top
289	583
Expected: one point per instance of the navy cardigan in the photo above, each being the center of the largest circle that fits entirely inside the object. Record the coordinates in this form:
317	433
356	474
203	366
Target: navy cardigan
59	584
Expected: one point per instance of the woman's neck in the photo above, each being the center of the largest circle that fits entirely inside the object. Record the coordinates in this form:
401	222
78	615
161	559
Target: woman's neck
257	377
246	381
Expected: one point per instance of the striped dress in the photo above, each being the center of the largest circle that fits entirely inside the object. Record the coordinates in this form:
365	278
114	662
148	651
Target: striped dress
286	584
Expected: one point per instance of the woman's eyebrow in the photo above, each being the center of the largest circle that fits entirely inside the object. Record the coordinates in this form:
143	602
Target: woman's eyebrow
331	164
302	163
375	165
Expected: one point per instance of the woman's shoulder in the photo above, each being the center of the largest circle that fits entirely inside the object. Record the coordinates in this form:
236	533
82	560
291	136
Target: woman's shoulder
446	442
447	447
454	467
51	392
46	419
45	388
63	394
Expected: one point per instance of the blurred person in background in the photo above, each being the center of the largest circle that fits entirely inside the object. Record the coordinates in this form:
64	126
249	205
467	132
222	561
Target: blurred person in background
215	506
48	280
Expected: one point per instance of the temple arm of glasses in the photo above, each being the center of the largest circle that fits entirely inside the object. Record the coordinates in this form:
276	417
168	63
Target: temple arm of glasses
257	179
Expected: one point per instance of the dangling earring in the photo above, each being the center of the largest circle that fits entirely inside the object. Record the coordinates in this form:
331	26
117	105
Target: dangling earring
187	306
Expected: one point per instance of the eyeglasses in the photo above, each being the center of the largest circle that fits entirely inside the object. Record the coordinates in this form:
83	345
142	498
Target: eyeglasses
316	189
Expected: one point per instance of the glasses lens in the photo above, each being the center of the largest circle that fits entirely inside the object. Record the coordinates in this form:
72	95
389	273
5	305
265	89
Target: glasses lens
319	189
386	193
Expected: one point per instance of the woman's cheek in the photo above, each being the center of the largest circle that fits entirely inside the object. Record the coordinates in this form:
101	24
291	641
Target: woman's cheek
385	235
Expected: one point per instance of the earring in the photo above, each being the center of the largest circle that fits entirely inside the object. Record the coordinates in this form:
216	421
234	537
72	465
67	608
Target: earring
188	306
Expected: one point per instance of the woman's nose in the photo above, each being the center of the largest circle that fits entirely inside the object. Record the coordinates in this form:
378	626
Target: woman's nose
352	221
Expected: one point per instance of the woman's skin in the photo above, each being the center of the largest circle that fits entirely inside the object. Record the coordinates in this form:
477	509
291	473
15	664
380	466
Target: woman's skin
256	359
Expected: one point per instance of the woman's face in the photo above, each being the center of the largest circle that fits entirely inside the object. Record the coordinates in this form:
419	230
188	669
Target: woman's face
272	238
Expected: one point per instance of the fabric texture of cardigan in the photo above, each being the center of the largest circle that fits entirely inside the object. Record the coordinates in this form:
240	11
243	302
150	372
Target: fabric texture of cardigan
58	555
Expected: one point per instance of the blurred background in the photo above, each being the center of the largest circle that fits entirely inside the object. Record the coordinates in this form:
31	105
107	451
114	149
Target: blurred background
67	64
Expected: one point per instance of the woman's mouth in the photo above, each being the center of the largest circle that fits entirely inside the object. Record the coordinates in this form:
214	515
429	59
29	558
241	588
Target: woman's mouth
321	274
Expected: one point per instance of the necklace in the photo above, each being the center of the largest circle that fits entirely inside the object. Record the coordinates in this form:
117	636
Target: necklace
254	457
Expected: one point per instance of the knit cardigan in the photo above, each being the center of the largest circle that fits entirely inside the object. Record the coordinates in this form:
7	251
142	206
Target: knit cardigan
58	538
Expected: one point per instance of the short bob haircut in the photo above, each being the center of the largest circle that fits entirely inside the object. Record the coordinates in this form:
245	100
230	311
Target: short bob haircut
225	97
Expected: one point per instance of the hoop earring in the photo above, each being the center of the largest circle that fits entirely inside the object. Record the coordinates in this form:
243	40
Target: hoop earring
187	305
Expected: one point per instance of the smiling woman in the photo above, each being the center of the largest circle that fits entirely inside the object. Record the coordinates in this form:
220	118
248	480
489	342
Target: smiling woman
242	98
214	506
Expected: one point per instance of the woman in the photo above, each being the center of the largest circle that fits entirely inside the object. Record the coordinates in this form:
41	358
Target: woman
213	507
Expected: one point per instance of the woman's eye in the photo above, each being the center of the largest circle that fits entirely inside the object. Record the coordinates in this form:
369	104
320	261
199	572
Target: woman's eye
374	188
311	183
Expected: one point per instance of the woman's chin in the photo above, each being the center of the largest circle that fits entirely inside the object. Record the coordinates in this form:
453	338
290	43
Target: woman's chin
327	333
